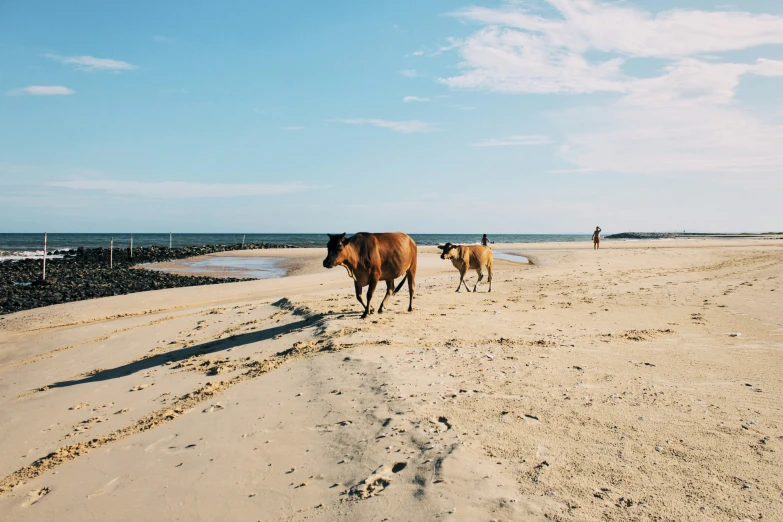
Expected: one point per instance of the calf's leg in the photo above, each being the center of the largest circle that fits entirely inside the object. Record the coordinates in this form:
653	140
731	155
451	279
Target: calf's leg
480	277
489	269
462	281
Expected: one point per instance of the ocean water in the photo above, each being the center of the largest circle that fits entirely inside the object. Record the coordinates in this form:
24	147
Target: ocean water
230	266
18	246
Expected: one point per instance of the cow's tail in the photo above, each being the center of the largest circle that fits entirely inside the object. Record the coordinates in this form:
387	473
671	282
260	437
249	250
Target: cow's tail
400	285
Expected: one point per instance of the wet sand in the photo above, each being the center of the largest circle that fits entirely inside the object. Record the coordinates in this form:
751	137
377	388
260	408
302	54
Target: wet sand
641	381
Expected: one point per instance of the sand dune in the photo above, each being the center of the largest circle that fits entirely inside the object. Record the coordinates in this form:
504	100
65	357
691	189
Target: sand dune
640	382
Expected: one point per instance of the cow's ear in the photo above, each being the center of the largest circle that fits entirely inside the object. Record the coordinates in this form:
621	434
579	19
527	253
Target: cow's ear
343	239
441	246
331	236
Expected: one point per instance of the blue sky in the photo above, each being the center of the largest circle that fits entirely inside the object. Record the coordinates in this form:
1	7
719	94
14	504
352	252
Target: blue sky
538	116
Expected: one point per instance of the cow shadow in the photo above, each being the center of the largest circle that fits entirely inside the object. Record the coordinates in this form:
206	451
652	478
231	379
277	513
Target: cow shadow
205	348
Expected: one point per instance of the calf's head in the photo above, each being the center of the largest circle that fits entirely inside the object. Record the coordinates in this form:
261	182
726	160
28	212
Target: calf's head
449	251
334	255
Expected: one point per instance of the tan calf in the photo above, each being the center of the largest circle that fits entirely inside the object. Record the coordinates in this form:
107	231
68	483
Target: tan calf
466	258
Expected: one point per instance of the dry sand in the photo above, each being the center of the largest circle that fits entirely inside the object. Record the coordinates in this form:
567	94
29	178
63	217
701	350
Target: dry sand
590	386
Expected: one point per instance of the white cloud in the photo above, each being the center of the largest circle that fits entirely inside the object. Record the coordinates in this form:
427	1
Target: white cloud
699	138
181	189
623	29
418	53
410	73
504	60
512	141
41	90
409	99
685	119
405	127
91	63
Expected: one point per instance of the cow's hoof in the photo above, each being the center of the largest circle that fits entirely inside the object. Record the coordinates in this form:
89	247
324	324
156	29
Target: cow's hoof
364	315
380	310
410	309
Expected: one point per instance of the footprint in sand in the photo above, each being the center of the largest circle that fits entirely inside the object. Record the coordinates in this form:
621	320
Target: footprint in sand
140	387
213	407
110	486
79	406
35	496
376	482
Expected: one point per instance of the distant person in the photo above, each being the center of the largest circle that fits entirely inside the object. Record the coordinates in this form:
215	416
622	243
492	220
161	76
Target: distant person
485	241
597	238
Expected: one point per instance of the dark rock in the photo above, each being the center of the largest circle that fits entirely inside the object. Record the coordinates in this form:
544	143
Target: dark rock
85	274
641	235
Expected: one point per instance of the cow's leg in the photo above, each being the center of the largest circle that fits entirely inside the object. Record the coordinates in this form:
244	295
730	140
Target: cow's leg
358	288
389	293
370	290
411	285
480	277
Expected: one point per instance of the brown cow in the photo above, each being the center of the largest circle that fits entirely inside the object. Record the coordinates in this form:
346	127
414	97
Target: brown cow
370	258
466	258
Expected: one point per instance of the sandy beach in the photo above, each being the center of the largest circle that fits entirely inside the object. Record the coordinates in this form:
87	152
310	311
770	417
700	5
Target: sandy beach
643	381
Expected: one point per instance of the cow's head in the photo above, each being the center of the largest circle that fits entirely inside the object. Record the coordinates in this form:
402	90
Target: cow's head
334	255
448	251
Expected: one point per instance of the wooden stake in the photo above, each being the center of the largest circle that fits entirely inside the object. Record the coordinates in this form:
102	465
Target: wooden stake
111	253
131	245
169	240
43	276
243	242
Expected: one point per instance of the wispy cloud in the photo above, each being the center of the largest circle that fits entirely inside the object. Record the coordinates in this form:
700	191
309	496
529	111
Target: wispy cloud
91	63
685	119
410	73
568	171
512	141
409	99
41	90
405	127
181	189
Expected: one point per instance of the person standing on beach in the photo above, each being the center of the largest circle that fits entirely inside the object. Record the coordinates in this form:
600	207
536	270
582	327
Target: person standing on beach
485	240
597	238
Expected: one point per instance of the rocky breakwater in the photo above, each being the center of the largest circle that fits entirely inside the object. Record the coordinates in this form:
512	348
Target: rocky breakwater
86	274
641	235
